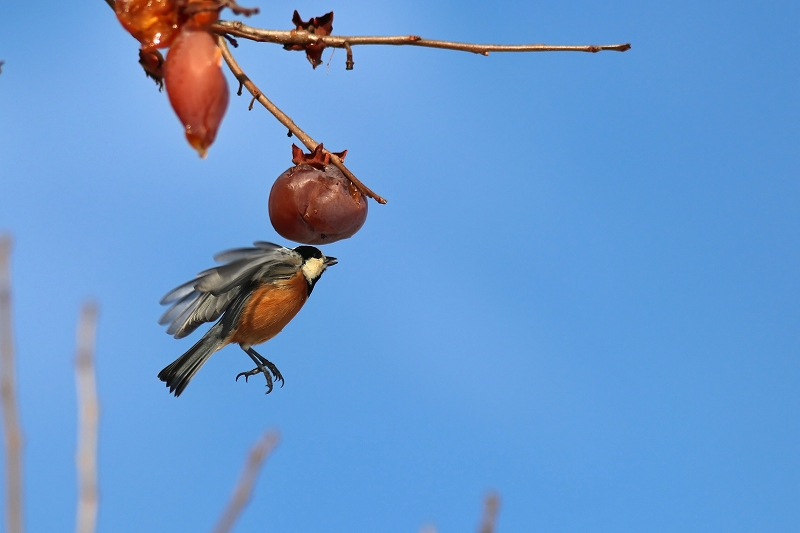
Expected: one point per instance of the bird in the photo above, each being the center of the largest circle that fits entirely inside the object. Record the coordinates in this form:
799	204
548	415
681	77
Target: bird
253	295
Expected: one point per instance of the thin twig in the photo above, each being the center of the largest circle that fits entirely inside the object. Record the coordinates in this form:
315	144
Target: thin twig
241	495
284	119
491	506
349	64
304	38
88	413
8	394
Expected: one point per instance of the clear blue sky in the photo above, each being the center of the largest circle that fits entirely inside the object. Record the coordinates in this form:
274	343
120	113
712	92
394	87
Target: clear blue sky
583	292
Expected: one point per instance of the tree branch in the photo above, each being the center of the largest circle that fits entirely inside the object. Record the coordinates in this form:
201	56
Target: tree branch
284	119
304	38
8	394
241	495
88	413
491	507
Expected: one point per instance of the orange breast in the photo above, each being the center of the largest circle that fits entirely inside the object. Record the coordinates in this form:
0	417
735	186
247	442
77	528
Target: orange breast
269	309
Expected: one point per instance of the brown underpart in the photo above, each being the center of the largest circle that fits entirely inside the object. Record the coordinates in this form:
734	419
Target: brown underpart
321	26
318	158
271	307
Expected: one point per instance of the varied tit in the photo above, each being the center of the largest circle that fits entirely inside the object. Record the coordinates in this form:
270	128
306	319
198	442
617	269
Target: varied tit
257	291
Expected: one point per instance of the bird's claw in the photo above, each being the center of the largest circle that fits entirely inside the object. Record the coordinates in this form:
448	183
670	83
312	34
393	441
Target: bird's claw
276	374
247	374
272	368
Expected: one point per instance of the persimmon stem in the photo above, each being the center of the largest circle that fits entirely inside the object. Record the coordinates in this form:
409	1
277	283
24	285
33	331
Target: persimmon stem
304	38
284	119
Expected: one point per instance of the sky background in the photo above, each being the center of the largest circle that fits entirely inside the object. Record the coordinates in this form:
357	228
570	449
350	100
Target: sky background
583	292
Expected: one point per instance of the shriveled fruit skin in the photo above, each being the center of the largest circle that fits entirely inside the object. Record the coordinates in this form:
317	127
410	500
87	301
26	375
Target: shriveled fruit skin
313	206
154	23
196	86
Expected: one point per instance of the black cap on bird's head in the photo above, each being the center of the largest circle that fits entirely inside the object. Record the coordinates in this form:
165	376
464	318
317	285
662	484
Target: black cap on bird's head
310	252
314	264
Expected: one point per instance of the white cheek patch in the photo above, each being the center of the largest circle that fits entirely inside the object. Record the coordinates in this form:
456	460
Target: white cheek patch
313	268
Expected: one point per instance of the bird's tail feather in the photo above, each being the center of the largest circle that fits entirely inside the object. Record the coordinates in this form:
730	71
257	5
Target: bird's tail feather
180	371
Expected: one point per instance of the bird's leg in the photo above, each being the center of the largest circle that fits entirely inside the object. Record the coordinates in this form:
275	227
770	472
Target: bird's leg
260	369
274	369
263	366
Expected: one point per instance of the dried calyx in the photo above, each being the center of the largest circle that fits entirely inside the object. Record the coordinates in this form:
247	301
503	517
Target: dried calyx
318	26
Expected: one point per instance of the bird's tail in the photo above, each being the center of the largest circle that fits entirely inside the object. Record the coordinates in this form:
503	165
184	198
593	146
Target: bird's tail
178	374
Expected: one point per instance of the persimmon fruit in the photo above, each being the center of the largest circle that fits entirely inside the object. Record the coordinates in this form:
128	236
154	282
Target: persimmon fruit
313	205
196	86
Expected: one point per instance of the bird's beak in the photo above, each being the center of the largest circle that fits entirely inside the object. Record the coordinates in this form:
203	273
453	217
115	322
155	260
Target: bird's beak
330	261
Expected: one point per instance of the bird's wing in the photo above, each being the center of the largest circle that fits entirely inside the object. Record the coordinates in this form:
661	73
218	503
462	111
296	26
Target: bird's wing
207	296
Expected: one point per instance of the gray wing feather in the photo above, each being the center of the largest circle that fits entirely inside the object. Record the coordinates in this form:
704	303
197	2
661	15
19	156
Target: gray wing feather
205	298
178	293
241	253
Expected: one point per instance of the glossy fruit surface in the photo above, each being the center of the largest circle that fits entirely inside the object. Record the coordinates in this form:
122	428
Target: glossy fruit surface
200	13
196	86
154	23
316	206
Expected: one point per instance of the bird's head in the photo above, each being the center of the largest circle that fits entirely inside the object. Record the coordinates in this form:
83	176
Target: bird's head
314	264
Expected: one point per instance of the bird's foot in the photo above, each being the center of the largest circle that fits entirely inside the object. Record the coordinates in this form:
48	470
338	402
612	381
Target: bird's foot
263	366
259	370
276	374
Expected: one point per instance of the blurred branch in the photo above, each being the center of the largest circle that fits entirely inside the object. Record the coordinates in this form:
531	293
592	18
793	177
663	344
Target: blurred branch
304	38
88	413
8	394
491	506
241	495
284	119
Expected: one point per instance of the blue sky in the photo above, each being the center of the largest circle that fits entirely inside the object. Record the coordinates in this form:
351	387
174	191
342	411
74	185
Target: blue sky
583	292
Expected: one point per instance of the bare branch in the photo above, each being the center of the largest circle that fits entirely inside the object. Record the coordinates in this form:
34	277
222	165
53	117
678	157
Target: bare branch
88	413
491	506
8	394
241	495
284	119
304	38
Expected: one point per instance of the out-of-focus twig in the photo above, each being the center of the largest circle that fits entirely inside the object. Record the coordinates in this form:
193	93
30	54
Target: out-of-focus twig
241	495
304	38
8	394
491	506
88	414
284	119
